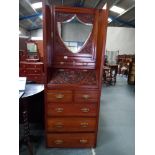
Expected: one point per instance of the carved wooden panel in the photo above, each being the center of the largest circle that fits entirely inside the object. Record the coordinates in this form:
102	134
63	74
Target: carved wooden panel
81	77
86	18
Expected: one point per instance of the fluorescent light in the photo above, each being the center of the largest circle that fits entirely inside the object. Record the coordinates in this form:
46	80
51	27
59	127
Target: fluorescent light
37	5
19	32
41	16
109	20
117	9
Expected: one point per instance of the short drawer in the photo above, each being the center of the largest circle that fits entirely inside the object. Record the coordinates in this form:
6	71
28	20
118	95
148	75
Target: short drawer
71	124
84	109
76	140
86	96
59	96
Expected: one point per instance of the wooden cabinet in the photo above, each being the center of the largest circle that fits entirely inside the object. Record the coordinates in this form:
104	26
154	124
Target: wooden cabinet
73	78
131	75
34	71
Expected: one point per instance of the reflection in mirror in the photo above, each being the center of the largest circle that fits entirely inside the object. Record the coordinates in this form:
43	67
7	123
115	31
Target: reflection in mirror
74	33
31	47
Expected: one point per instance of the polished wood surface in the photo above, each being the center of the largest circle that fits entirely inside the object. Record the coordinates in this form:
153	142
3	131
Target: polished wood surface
70	109
73	80
71	140
71	124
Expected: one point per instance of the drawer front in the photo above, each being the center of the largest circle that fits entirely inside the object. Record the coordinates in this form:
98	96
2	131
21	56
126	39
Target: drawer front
59	96
58	109
71	124
86	96
37	78
71	140
33	71
34	66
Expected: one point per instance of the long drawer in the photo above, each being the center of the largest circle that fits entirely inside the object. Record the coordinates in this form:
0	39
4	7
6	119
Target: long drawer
86	96
71	140
71	124
59	109
59	96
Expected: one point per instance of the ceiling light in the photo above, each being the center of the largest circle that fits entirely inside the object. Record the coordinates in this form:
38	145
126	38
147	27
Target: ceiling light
19	32
117	9
109	20
37	5
41	16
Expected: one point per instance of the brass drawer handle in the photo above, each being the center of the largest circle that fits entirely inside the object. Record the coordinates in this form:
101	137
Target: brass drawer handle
85	109
83	141
61	63
84	124
59	96
59	109
59	141
85	96
59	125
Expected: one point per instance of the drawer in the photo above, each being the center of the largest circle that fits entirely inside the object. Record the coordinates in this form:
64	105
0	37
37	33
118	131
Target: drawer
71	124
71	140
34	66
59	96
37	78
58	109
86	96
34	71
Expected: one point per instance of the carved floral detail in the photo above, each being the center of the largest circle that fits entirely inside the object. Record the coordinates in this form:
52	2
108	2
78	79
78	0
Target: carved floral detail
86	18
74	77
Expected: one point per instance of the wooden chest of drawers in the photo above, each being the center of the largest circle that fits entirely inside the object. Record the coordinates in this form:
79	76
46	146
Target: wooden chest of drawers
71	113
34	71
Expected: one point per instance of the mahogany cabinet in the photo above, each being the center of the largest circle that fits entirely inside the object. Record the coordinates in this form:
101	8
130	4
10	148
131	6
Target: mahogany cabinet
34	71
73	75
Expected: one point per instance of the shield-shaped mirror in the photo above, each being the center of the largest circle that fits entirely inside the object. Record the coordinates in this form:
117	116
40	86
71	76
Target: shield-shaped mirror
74	33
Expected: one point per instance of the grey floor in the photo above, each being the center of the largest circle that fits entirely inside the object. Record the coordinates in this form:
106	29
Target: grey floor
116	125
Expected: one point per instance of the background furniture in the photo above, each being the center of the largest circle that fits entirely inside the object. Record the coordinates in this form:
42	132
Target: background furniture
30	90
30	65
123	63
73	75
131	75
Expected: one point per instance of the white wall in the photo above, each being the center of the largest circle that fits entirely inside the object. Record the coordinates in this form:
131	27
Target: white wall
37	34
122	39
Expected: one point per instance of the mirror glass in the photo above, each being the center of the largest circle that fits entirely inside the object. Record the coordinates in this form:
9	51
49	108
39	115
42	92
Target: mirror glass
74	33
31	47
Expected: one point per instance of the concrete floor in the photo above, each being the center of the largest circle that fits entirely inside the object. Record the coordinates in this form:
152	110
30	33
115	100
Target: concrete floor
116	125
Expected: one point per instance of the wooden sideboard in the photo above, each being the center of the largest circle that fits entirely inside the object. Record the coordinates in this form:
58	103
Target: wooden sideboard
73	80
34	71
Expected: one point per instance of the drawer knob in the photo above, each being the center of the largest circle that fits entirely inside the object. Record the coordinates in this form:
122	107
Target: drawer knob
61	63
59	96
83	141
85	109
85	96
59	141
59	125
84	124
59	109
